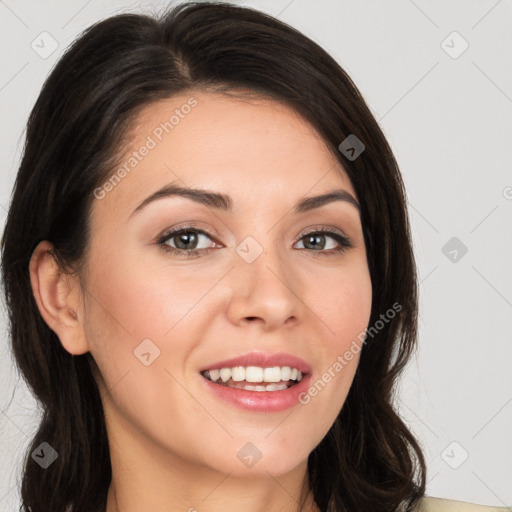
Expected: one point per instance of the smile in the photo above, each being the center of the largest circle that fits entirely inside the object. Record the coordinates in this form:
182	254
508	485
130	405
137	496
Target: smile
255	378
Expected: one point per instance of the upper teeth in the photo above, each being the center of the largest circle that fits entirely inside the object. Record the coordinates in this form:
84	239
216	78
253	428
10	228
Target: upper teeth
255	374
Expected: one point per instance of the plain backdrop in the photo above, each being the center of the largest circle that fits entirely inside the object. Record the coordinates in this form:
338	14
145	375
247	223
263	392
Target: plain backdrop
437	77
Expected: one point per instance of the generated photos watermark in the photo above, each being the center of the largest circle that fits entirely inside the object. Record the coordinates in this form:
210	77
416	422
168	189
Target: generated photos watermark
152	141
343	360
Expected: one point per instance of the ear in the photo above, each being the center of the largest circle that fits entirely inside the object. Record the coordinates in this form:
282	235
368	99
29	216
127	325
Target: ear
58	297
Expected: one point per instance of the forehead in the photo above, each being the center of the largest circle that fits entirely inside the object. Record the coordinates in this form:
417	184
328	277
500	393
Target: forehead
249	147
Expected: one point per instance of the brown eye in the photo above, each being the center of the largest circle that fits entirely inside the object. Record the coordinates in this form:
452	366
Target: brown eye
185	240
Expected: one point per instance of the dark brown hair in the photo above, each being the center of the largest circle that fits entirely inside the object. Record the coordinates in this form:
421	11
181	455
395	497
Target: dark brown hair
368	460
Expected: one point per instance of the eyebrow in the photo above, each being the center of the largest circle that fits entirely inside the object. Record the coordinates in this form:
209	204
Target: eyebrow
224	202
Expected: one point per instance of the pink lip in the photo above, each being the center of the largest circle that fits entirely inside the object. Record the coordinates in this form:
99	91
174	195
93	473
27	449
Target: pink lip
260	401
262	360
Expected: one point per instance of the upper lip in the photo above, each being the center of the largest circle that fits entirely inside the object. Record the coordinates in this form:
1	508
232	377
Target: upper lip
263	360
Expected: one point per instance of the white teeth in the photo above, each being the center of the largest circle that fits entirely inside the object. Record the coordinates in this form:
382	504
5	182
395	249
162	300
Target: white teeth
225	374
272	374
238	373
254	374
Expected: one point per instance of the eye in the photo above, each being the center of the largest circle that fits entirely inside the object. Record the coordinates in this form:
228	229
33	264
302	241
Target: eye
186	241
317	240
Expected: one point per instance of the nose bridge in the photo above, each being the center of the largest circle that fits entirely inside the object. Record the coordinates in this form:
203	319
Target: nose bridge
263	282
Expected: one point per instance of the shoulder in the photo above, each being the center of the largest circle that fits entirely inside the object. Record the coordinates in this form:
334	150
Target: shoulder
429	504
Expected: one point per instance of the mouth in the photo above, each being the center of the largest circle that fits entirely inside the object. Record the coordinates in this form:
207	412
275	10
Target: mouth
255	378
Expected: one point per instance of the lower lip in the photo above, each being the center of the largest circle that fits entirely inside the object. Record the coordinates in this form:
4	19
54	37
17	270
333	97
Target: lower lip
260	401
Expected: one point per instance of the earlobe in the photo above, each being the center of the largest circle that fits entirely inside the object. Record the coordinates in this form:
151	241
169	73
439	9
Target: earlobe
58	299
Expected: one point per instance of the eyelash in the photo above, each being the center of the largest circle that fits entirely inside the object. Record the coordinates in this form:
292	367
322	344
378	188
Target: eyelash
343	240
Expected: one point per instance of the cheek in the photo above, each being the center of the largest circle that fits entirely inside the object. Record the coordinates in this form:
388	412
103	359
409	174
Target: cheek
346	306
343	309
135	308
134	317
143	301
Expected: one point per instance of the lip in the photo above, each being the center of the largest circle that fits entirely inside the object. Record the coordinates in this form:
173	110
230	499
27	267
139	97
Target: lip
264	361
260	401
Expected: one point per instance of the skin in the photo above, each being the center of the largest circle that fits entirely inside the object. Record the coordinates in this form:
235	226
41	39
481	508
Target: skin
174	446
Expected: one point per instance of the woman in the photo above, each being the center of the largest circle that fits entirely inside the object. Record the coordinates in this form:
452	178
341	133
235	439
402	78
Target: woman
209	276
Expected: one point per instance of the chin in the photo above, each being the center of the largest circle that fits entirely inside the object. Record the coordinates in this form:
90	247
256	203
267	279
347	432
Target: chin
249	461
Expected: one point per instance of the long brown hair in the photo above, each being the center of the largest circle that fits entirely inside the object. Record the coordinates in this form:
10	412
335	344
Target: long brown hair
369	460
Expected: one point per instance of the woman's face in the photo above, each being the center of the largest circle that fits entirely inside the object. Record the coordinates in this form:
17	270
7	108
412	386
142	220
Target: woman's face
154	319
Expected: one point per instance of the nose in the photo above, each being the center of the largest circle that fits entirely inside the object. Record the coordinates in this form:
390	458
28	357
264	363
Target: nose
266	291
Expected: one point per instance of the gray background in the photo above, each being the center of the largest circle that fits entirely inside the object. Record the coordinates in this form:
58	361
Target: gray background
448	119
